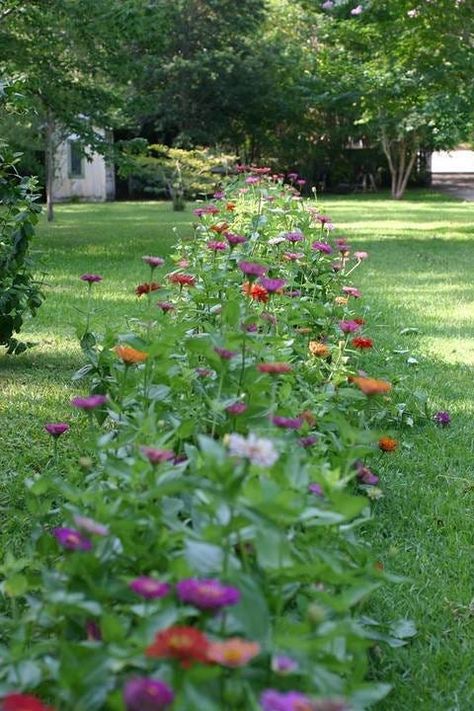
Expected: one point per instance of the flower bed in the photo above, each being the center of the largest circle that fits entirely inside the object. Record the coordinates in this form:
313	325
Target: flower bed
206	556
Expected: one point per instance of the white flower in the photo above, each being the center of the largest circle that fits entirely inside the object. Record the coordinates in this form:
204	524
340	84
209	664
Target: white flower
357	10
328	5
257	450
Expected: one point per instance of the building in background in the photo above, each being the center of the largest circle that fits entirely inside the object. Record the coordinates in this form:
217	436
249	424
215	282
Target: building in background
453	170
79	177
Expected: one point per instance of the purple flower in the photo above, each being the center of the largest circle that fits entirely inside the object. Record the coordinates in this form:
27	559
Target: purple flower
308	441
165	306
272	700
91	526
154	261
366	475
289	423
272	285
90	402
234	239
207	594
316	489
322	247
292	176
71	539
252	269
281	664
91	278
149	588
216	245
296	236
156	456
219	195
252	180
442	418
146	694
349	326
225	353
237	408
56	429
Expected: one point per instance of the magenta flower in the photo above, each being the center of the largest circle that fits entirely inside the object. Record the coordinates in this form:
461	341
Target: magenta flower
149	588
342	245
91	526
234	239
90	402
154	261
323	219
156	456
225	353
219	195
352	291
292	176
165	306
296	236
216	245
293	256
93	631
250	327
366	475
281	664
146	694
316	489
56	429
321	247
272	700
349	326
206	210
71	539
442	418
252	180
207	594
237	408
272	285
252	269
289	423
91	278
301	182
308	441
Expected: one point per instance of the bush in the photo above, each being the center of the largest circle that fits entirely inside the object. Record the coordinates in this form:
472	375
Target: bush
20	292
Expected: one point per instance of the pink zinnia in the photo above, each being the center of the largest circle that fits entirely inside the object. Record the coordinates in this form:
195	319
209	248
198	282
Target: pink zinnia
237	408
293	256
90	402
274	368
252	269
56	429
146	694
156	456
234	239
207	594
91	278
149	588
154	261
288	423
165	306
295	236
352	291
361	255
349	326
272	285
71	539
322	247
316	489
216	245
225	353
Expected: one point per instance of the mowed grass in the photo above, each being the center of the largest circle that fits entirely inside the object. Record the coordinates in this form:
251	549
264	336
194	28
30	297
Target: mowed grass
419	276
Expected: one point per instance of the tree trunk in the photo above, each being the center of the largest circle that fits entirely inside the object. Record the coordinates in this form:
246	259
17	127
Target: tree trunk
49	165
401	160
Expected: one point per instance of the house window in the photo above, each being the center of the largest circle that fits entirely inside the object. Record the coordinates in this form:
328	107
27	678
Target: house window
76	160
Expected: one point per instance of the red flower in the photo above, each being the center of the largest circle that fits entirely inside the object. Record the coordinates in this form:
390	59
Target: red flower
183	279
185	644
255	291
361	342
360	321
23	702
146	288
388	444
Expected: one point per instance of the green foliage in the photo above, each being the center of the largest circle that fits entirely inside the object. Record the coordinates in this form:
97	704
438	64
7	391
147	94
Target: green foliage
20	292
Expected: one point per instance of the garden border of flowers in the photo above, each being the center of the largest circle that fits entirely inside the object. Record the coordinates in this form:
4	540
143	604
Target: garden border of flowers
205	553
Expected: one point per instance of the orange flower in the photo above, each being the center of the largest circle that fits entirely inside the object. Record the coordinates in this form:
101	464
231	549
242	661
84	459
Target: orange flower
187	644
371	386
388	444
230	206
341	301
220	227
318	349
130	355
234	652
255	291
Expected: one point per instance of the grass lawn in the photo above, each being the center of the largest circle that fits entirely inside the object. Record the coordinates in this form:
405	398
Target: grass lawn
419	276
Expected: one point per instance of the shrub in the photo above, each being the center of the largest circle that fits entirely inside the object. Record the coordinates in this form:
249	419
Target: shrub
20	292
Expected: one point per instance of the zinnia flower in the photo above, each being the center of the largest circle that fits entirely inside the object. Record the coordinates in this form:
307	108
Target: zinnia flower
255	291
272	700
371	386
274	368
281	664
156	456
146	694
129	355
362	343
366	475
442	418
323	219
388	444
71	539
149	588
272	285
56	429
23	702
328	5
321	247
183	279
186	644
207	594
361	255
91	278
341	300
225	353
357	10
352	291
252	269
293	256
154	261
296	236
206	210
234	652
237	408
257	450
165	306
349	326
308	441
217	246
318	349
219	227
91	526
146	288
230	206
316	489
90	402
234	239
252	180
288	423
292	176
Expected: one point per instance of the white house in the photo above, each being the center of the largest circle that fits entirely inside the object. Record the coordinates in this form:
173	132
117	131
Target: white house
81	177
